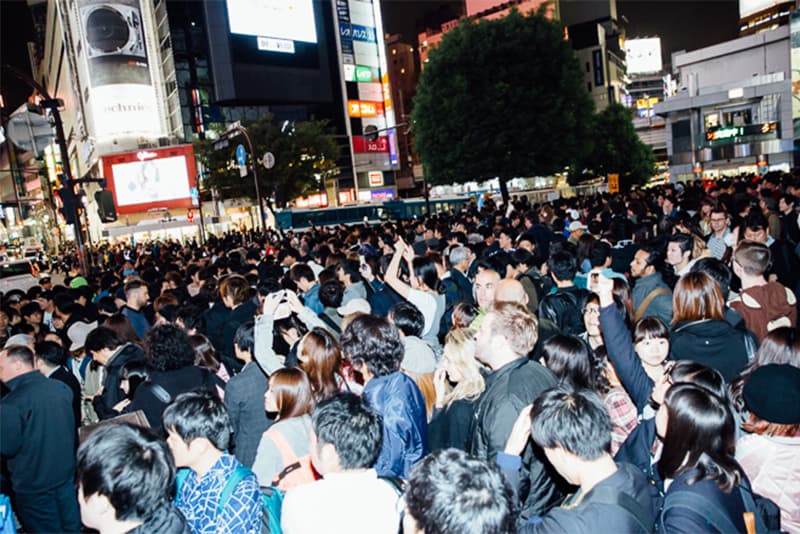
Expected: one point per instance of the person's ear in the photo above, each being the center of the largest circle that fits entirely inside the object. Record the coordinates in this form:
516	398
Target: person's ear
329	456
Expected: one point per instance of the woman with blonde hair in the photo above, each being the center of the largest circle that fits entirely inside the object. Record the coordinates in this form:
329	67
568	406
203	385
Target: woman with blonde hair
700	332
455	405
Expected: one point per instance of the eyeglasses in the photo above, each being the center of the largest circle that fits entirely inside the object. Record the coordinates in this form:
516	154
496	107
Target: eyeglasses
592	311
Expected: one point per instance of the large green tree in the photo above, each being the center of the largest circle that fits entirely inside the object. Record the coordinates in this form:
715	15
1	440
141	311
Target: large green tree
305	155
615	148
501	98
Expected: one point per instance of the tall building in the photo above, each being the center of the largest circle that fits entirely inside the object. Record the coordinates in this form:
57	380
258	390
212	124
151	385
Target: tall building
403	78
732	113
763	15
647	86
142	75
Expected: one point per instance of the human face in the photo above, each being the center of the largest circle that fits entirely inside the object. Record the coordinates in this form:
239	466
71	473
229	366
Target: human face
667	207
639	263
653	350
718	222
485	282
526	245
505	241
180	450
759	236
452	370
270	402
591	318
674	254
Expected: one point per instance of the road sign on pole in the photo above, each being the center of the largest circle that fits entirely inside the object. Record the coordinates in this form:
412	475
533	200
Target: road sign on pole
268	160
241	155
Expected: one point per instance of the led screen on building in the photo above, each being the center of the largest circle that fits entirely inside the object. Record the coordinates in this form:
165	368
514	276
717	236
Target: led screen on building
643	56
151	179
292	20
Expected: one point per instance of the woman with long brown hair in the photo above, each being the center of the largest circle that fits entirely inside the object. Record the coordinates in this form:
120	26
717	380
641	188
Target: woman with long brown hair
700	332
283	457
321	358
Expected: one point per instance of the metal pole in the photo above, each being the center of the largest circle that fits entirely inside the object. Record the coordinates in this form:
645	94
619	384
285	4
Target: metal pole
52	105
246	134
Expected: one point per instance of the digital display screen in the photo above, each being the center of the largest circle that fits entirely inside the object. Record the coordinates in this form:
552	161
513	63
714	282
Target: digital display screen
155	180
281	19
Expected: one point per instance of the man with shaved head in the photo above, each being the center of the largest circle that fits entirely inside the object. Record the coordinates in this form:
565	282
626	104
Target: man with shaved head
485	282
510	290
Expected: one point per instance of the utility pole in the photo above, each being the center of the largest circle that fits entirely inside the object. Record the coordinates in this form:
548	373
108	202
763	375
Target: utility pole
53	104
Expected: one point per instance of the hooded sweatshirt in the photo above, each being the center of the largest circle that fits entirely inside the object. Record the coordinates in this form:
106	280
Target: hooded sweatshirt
766	308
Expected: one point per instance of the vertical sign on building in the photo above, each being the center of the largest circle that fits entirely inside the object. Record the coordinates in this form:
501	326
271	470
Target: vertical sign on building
364	70
121	96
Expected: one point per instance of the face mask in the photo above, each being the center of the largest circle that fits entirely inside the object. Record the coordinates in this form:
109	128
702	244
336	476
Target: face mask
128	272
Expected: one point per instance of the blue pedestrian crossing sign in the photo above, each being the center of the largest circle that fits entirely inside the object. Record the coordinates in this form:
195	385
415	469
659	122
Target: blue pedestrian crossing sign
241	156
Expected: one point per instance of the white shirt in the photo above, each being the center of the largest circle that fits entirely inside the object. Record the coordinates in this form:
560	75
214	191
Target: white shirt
425	303
346	503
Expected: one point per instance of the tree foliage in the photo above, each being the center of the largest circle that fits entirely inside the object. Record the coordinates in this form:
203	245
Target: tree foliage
501	98
304	152
616	148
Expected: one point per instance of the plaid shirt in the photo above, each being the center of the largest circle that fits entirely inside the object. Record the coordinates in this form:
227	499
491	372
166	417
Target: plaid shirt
199	500
624	417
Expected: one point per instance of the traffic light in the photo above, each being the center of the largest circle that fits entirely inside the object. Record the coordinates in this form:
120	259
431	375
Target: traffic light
68	202
105	205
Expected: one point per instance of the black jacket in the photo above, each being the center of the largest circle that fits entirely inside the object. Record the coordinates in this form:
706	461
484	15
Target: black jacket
244	400
585	513
174	382
564	308
37	433
714	343
166	520
112	394
450	427
681	519
246	311
63	375
213	321
508	390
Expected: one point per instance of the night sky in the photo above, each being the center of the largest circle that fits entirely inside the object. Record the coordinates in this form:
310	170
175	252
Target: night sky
682	25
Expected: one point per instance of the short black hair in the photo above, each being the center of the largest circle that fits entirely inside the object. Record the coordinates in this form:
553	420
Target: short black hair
245	337
199	414
167	348
348	423
129	465
574	419
599	252
30	308
107	305
191	315
301	270
351	268
755	220
331	293
684	241
562	265
450	491
655	256
717	270
407	318
375	342
101	338
51	352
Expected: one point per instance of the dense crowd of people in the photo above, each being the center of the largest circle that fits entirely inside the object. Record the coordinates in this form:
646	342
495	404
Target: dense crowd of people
606	363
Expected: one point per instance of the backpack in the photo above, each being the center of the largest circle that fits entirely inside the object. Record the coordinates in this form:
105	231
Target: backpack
271	498
764	514
570	317
298	470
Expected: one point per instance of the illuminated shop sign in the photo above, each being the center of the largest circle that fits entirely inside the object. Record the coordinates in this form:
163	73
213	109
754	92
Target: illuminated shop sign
732	132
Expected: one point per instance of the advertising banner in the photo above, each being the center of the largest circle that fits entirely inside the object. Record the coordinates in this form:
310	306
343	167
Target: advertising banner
151	179
121	96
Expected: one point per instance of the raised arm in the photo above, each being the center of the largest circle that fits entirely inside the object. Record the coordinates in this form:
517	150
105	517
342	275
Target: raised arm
263	353
392	271
620	348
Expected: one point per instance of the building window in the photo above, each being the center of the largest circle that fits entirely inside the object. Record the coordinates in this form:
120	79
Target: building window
588	67
589	86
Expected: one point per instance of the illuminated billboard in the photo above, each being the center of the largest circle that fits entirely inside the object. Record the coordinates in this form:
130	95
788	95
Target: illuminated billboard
643	56
122	98
151	179
292	20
